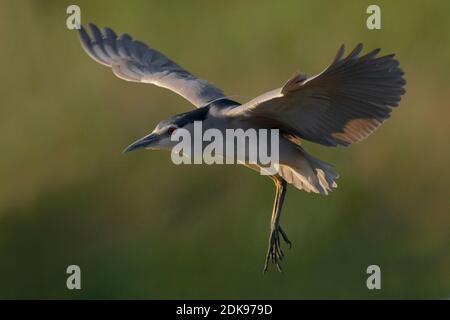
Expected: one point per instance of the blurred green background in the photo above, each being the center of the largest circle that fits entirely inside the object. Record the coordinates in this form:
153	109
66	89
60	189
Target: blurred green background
69	196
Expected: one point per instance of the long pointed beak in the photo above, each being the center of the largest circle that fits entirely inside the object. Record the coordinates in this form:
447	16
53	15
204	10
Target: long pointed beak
142	143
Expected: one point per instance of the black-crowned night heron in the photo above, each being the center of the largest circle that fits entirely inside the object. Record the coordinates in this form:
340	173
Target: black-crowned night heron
341	105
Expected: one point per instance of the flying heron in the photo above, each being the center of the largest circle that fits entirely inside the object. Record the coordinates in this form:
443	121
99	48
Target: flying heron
341	105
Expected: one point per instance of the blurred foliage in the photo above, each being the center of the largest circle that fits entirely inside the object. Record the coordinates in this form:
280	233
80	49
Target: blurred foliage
141	227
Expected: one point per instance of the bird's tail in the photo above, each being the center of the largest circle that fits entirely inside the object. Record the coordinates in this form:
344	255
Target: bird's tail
310	174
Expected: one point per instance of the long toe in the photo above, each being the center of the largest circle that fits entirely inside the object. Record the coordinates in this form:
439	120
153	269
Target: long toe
274	253
285	237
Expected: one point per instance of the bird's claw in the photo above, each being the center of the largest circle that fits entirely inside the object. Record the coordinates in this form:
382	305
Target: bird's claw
285	237
274	252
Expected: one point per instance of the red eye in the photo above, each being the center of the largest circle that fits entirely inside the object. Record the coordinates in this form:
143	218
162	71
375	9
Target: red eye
171	130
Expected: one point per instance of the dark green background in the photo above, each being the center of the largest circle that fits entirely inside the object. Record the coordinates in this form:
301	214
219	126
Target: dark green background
141	227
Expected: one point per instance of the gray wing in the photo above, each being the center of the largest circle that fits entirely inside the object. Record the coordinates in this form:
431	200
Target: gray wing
133	60
342	105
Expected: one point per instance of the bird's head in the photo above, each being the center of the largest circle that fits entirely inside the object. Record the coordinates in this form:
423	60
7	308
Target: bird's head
160	137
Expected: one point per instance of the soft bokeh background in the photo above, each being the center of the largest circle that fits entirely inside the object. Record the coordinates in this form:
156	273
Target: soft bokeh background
141	227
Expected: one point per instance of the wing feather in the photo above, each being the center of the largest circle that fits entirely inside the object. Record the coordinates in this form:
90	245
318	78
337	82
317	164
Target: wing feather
342	105
133	60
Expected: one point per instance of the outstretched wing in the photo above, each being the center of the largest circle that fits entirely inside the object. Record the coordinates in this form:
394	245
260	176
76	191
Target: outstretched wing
133	60
342	105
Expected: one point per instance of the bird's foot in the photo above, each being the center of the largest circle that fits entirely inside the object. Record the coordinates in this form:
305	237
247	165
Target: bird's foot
274	252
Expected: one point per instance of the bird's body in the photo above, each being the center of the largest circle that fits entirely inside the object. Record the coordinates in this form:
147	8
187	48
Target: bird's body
341	105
